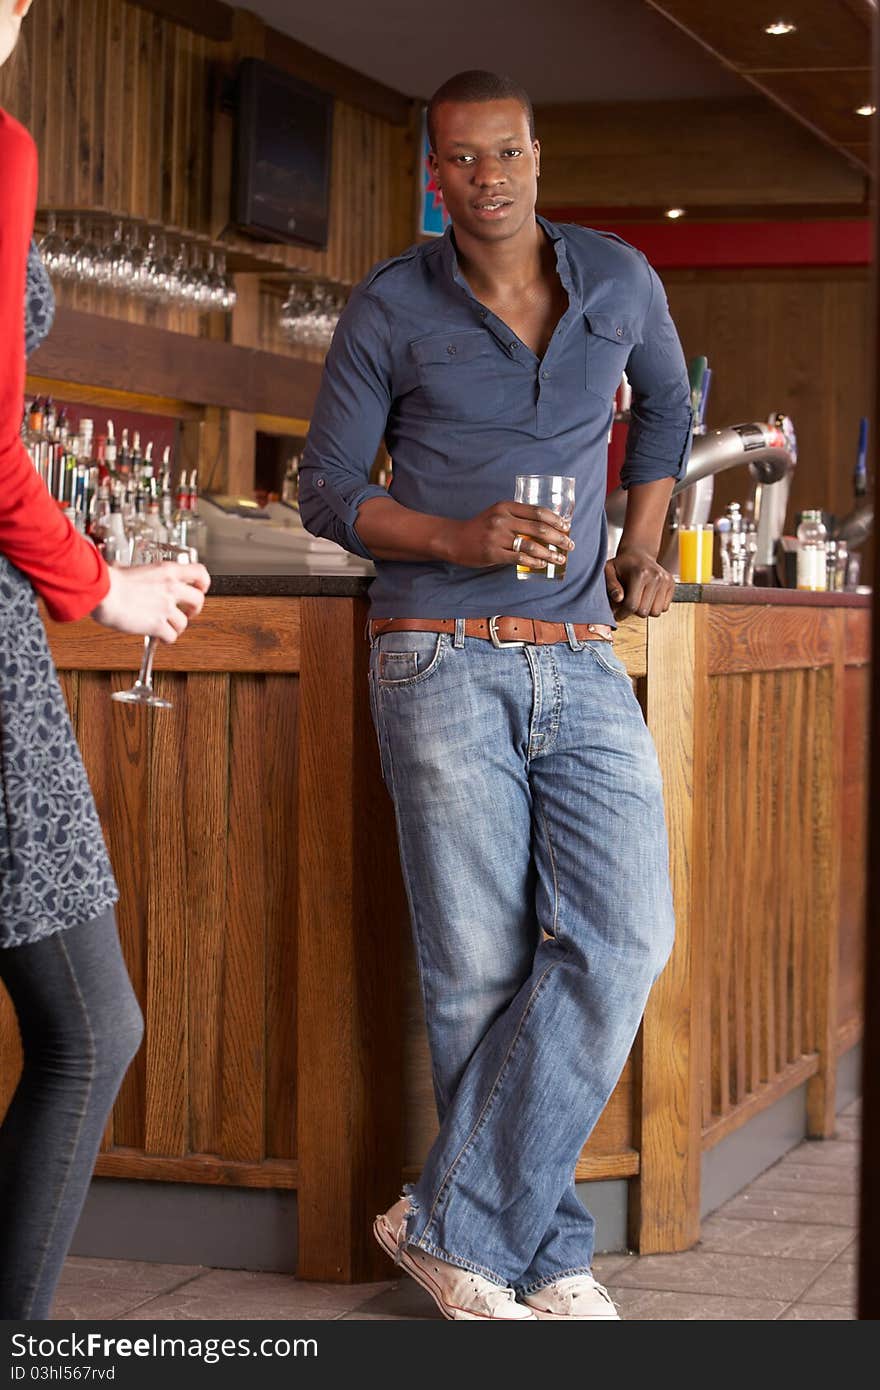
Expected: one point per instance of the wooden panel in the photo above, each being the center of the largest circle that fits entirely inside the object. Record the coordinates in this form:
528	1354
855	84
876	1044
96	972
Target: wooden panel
687	153
206	810
853	843
198	1168
857	638
93	350
768	639
631	645
166	1043
242	1062
664	1205
281	835
826	796
824	98
769	842
123	103
351	912
111	400
828	33
808	350
230	634
188	797
830	36
794	1075
116	743
208	17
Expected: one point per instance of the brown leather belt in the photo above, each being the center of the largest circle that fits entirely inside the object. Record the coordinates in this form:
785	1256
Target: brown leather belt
500	631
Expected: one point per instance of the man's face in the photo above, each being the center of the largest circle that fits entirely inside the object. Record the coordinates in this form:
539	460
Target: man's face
487	166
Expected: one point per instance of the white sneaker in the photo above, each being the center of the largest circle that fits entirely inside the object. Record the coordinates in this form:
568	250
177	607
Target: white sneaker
578	1296
460	1294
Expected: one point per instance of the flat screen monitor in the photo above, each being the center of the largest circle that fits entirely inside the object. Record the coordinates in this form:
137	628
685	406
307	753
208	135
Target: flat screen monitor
281	177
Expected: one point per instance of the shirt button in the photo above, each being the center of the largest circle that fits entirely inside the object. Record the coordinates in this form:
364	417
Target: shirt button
451	349
484	313
319	482
513	347
619	332
546	376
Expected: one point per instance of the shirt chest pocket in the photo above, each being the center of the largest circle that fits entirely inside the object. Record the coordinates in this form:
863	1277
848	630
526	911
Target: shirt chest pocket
610	340
460	376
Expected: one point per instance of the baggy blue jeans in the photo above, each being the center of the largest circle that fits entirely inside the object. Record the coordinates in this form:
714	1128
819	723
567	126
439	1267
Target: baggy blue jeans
533	846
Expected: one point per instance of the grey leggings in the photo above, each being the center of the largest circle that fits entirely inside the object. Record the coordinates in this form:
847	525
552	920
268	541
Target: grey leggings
80	1026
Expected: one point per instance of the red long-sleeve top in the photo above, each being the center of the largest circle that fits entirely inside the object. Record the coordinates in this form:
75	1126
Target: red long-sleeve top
65	569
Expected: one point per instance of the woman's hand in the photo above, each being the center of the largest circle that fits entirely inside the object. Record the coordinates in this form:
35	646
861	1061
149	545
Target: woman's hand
153	600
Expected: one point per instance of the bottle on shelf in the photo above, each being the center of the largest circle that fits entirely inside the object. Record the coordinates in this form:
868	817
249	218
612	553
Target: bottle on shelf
166	505
153	519
136	457
197	534
110	448
180	521
123	457
812	536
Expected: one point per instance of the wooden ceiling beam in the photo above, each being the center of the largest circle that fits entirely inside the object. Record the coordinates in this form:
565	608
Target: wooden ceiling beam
812	74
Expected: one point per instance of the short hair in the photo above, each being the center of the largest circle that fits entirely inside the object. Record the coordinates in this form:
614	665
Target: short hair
477	85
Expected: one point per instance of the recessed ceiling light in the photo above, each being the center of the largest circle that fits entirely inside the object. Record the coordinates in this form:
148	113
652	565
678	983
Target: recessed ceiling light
866	110
674	213
779	28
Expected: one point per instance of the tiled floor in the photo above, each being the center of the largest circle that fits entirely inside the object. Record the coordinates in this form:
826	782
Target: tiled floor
785	1247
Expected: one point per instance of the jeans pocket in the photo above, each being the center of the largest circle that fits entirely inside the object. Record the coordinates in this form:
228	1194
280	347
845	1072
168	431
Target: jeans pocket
605	656
407	658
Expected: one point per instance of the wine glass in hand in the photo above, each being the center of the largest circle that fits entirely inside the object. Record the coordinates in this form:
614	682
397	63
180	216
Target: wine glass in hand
142	692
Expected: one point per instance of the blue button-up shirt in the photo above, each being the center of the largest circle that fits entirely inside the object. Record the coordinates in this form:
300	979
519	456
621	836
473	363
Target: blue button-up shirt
465	405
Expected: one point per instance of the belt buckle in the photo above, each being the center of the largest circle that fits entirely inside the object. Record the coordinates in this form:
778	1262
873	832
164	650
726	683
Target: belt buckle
493	633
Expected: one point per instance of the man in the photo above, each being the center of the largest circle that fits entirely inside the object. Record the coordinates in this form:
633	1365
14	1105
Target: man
526	787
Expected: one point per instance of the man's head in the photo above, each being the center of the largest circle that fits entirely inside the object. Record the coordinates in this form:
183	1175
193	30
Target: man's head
477	85
484	154
12	12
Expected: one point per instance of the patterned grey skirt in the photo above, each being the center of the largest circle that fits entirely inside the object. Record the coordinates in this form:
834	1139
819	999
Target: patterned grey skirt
54	869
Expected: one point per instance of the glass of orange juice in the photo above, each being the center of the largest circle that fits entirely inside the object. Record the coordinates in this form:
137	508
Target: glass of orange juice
695	552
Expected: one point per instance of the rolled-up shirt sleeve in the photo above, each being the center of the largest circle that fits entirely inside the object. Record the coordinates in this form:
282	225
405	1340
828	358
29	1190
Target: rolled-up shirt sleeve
660	431
347	425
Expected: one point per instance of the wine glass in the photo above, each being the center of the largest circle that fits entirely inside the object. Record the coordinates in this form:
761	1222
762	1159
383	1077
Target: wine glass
142	692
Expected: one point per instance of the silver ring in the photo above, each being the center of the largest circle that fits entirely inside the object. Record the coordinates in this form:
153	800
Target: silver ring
517	543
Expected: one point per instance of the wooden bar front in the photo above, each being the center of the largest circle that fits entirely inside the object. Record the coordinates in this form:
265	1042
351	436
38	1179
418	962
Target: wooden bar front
265	928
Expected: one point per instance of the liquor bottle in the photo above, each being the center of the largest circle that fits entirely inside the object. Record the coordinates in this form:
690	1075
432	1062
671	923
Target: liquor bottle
157	531
110	449
116	530
99	526
122	464
197	533
136	458
166	508
811	538
180	521
87	441
147	467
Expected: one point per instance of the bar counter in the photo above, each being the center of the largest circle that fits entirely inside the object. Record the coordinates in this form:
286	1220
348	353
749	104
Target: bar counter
265	927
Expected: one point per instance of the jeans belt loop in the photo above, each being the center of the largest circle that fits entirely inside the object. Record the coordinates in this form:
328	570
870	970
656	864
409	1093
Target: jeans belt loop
493	633
458	639
367	633
573	641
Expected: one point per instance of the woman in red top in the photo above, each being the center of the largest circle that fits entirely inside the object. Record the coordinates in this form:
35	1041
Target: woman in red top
60	959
